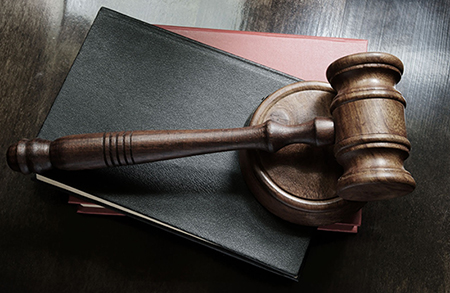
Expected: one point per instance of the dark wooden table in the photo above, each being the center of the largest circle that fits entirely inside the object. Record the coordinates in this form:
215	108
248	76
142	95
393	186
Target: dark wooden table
403	245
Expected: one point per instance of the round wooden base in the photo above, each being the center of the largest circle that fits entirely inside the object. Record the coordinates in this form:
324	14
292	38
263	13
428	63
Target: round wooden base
297	183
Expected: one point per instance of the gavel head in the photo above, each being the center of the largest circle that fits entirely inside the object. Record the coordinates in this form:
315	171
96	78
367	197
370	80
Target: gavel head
370	131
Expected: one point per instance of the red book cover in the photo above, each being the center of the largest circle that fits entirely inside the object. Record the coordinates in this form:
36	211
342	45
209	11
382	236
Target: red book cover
304	57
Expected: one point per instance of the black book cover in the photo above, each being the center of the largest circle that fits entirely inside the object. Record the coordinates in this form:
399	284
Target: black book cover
130	75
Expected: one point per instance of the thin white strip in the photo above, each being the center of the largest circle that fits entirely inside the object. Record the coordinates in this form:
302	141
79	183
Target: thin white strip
87	205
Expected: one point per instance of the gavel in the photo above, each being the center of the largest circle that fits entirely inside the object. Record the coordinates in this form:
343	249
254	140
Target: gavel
367	129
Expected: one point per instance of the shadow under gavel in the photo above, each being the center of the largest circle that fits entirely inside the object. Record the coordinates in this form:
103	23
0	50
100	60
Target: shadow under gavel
367	129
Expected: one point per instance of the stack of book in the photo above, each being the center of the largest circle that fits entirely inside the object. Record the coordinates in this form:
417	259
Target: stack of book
130	75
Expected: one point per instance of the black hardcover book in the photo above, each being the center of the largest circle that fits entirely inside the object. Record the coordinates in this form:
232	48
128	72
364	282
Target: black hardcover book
130	75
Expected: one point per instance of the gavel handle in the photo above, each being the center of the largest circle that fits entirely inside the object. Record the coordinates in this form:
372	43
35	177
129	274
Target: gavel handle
100	150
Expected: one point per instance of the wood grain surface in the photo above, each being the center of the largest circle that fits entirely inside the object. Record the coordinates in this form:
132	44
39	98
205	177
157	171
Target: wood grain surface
403	245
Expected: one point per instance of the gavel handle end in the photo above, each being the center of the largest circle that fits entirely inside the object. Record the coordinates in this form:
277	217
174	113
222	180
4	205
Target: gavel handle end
29	156
324	131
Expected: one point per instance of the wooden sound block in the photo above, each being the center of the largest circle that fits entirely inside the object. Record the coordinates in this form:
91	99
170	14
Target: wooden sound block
297	183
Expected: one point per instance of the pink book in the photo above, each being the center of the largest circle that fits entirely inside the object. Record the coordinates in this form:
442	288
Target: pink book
304	57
